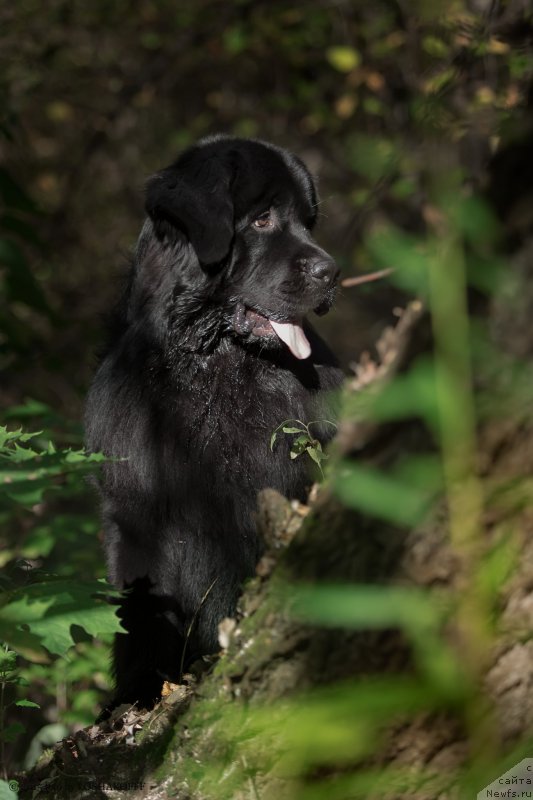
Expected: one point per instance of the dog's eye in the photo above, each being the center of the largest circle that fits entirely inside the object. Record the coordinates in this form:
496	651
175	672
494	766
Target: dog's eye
264	220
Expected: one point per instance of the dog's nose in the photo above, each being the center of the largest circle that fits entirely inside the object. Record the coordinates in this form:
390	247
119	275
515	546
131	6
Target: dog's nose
323	270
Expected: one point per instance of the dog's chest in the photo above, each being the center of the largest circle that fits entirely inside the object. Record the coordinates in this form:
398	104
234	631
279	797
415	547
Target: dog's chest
226	394
230	410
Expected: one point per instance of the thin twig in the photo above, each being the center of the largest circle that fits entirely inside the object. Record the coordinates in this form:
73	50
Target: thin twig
191	626
369	276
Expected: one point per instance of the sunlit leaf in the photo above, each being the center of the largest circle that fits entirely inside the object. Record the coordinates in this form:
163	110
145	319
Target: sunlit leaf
26	704
49	609
435	46
344	59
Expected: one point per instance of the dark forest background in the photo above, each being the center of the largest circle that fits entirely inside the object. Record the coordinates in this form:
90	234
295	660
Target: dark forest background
97	96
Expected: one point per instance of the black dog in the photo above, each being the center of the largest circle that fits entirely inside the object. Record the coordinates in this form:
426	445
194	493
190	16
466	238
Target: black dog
209	352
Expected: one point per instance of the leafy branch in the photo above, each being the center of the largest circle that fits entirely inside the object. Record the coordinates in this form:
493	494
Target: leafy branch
303	439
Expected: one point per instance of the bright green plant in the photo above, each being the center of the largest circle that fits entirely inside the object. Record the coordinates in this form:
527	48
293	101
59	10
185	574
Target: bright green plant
303	439
42	615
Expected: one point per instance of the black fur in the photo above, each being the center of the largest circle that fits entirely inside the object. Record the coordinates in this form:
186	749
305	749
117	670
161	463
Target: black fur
191	386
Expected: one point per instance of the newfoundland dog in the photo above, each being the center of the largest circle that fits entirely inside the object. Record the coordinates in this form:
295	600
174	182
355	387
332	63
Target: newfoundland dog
209	350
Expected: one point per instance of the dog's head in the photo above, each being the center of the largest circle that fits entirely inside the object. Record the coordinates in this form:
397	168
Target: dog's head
247	208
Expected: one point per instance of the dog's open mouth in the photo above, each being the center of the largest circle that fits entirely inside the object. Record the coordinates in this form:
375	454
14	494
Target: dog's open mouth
247	321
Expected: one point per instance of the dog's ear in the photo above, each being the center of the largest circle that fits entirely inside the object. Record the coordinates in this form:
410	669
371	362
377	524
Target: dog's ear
194	196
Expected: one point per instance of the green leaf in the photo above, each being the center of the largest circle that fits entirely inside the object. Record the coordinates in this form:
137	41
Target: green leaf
381	494
315	454
66	529
49	609
40	541
343	59
30	408
348	717
435	46
301	440
23	640
27	704
25	474
407	255
367	607
11	436
8	660
438	82
282	426
498	564
28	493
419	614
408	395
519	64
474	218
403	188
292	430
235	39
19	453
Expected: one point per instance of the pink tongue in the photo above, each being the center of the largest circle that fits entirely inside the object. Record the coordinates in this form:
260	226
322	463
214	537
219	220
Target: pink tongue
294	338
